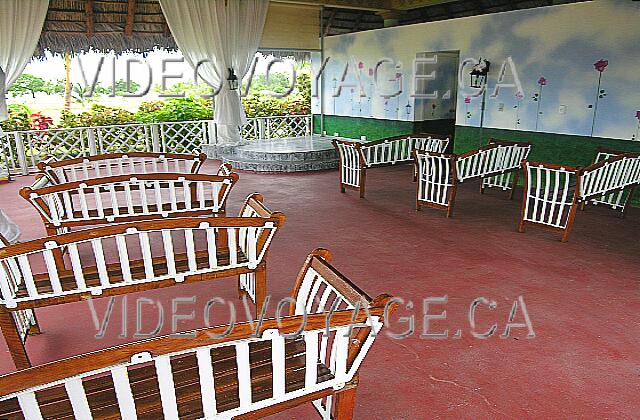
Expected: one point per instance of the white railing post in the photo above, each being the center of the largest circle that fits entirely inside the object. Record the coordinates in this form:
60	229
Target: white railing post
204	133
91	139
213	132
268	128
261	129
155	138
309	125
22	155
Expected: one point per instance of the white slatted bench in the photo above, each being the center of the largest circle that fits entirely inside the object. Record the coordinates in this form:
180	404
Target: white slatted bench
25	320
617	200
550	197
356	158
100	262
127	198
553	192
439	174
114	164
312	355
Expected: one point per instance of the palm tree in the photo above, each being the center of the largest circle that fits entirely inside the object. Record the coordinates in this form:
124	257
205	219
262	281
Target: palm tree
67	81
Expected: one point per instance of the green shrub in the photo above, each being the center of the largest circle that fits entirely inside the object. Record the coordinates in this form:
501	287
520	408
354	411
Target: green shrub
98	115
175	109
19	118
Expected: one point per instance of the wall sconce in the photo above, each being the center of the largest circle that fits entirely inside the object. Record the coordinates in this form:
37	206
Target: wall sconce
479	74
232	79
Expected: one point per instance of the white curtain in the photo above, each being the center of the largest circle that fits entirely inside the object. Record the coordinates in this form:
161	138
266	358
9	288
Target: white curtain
20	27
215	35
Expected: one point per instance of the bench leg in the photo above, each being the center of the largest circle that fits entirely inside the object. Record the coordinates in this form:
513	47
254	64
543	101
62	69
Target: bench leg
14	342
261	287
516	177
35	328
344	404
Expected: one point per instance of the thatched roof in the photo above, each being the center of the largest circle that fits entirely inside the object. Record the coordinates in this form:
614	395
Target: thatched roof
113	25
104	25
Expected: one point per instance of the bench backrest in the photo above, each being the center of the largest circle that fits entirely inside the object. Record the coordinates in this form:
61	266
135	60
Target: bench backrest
249	369
611	174
114	164
436	176
130	197
351	161
490	160
550	193
103	258
398	149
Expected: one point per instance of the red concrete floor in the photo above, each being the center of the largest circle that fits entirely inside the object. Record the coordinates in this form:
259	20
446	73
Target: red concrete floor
582	298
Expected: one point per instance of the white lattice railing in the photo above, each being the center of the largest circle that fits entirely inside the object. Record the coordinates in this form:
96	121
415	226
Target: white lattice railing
22	150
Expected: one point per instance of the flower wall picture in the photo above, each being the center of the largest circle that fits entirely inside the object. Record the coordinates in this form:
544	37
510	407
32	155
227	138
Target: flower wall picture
600	66
562	69
537	97
519	98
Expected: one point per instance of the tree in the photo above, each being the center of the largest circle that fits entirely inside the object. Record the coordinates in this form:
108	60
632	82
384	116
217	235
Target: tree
28	83
121	87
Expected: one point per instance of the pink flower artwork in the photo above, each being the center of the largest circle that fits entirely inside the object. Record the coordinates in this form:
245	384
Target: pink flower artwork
370	71
638	115
519	96
467	99
398	76
542	81
361	65
601	64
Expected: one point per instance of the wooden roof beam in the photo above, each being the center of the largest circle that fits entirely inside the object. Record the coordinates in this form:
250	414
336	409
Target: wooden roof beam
416	4
372	5
89	11
131	12
327	26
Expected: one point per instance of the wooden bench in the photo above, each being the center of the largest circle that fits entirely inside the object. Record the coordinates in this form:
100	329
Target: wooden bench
311	355
617	200
106	261
356	157
439	174
114	164
127	198
554	192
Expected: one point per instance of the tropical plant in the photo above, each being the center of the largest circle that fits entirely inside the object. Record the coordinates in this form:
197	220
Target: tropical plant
175	109
98	115
19	118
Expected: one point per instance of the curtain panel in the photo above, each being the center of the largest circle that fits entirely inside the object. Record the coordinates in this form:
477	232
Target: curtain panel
214	36
21	24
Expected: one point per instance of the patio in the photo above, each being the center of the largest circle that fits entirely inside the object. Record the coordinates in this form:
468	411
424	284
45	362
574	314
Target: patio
489	321
581	297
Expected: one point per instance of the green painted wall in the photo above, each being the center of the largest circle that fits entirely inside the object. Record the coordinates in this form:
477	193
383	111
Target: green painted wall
547	147
374	129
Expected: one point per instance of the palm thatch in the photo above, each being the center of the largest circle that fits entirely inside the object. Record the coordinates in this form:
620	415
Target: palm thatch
112	25
104	25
